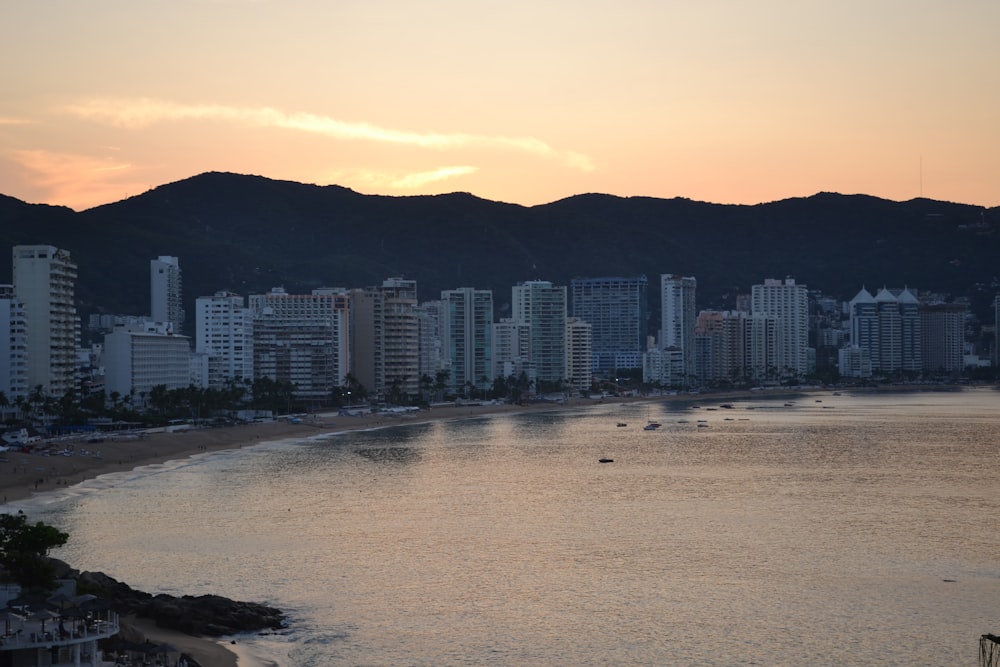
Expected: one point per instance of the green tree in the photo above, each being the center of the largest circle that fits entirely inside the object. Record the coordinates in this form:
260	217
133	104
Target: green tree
24	549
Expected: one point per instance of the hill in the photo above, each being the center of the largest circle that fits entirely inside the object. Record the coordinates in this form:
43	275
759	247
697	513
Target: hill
248	234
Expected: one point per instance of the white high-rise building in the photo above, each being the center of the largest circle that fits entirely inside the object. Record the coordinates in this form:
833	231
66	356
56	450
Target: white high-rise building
888	326
224	333
510	349
165	296
679	317
467	338
542	307
788	304
13	345
44	281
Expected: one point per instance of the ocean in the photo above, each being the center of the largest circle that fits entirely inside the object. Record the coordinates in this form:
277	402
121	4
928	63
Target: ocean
820	529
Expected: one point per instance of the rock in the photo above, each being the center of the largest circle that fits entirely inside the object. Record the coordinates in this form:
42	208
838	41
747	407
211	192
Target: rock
208	615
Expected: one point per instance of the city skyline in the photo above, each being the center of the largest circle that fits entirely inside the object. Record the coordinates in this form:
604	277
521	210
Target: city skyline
724	103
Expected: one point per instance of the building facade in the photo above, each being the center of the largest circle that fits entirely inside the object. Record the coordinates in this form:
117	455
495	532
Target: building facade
165	291
224	334
385	339
678	319
44	282
302	339
942	337
467	338
579	355
888	326
787	303
13	345
617	311
136	360
541	306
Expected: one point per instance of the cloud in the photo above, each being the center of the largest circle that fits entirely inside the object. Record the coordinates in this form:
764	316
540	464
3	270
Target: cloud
143	112
376	180
77	181
9	120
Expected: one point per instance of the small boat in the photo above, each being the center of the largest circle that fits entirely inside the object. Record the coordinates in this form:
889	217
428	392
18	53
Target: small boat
702	425
605	460
651	426
621	424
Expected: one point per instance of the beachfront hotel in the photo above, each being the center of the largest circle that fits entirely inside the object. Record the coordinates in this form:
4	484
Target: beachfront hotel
44	281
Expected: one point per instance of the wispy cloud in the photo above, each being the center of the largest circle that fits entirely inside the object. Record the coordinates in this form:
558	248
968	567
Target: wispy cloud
10	120
373	179
78	181
143	112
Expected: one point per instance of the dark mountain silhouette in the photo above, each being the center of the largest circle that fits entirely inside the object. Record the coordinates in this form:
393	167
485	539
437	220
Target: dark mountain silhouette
248	234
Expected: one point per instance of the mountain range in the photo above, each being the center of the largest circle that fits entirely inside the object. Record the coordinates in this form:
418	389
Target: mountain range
248	234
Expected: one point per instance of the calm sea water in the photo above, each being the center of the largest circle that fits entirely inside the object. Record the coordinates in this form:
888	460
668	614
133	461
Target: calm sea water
841	530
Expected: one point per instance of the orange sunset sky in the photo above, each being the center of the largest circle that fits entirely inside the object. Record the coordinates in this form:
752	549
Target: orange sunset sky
518	101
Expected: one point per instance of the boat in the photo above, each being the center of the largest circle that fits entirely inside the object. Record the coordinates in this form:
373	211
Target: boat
651	426
621	424
605	460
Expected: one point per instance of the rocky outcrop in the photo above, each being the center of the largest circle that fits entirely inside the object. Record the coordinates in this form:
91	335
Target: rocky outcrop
208	615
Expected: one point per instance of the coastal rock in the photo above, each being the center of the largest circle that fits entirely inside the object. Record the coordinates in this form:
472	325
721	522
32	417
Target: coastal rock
206	615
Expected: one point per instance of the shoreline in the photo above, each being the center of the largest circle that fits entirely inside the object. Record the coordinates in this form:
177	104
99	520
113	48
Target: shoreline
25	476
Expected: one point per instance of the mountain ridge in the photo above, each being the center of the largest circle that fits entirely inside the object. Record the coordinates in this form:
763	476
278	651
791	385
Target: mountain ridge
248	233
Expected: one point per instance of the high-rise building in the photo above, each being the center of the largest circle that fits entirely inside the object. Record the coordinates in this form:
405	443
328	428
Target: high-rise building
788	304
616	309
13	345
166	304
720	347
542	307
942	337
224	333
385	339
44	282
888	326
579	360
678	317
302	339
430	318
467	338
510	349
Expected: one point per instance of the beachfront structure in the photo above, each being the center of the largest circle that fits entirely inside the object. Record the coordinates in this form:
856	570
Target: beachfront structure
678	317
385	339
664	367
430	323
942	337
467	338
854	362
719	346
165	296
579	354
760	349
302	339
13	346
541	306
44	282
888	326
137	359
788	304
616	309
224	334
510	349
58	636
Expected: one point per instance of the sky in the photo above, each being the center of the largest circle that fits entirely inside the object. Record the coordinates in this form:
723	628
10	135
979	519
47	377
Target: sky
524	101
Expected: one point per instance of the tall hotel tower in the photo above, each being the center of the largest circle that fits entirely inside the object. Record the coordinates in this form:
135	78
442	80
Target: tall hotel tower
616	311
788	304
165	291
541	307
467	334
44	281
679	319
